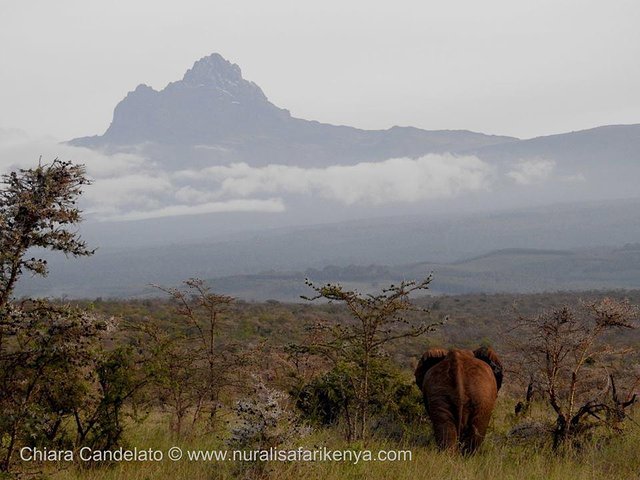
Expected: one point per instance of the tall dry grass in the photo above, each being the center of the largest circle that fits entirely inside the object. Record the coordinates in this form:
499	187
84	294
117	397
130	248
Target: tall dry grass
604	456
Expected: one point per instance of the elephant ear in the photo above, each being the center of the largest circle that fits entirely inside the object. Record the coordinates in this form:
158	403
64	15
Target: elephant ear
488	356
428	360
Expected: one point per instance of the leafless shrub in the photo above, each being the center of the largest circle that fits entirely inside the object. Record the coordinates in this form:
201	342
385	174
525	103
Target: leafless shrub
565	354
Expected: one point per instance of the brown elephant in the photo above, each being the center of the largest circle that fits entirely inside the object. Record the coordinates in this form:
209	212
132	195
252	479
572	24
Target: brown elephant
459	389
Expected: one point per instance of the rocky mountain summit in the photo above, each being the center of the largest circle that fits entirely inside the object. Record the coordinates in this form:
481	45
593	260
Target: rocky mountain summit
213	115
212	103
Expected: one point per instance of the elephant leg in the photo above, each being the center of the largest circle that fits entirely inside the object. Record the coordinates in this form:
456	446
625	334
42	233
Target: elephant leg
444	426
446	436
474	432
471	440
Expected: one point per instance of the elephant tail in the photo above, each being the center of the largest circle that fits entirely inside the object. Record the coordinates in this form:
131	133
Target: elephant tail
457	374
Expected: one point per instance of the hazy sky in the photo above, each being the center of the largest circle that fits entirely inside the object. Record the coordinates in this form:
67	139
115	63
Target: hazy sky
496	66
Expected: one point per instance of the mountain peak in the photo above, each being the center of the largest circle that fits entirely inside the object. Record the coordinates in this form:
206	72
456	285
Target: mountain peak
213	70
213	115
215	75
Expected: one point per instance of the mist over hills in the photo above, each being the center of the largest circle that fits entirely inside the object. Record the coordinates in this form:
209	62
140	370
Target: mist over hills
215	135
208	178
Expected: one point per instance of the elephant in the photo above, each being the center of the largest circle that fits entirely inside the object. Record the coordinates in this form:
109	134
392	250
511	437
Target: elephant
459	389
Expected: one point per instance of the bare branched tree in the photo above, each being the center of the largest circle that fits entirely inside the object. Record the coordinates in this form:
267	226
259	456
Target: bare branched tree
198	364
566	355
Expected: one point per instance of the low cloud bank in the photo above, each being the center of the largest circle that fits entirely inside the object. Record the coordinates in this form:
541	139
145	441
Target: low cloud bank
132	187
527	172
367	183
273	205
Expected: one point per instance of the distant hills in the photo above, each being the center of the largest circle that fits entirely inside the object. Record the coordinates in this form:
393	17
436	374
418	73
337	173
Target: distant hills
509	270
545	248
613	144
595	162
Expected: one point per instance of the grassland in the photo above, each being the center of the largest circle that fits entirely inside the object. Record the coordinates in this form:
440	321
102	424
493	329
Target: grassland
501	457
471	319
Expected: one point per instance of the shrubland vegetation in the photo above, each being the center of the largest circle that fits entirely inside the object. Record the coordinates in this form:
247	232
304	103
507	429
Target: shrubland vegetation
355	351
206	371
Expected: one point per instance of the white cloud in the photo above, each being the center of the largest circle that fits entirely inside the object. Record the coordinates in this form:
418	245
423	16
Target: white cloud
242	205
527	172
127	192
393	180
19	150
121	181
189	194
576	178
130	186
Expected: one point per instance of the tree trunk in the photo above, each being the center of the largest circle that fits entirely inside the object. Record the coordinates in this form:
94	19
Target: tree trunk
561	433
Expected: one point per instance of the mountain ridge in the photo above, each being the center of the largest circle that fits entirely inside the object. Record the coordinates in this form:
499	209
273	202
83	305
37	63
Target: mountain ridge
214	105
213	116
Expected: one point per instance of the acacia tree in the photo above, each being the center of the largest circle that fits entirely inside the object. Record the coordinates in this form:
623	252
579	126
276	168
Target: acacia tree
37	210
357	349
41	345
205	363
565	353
